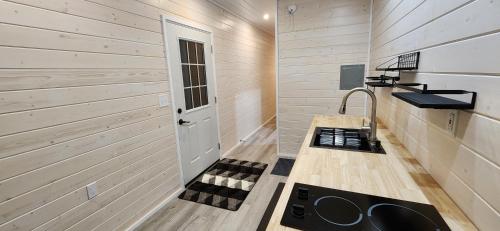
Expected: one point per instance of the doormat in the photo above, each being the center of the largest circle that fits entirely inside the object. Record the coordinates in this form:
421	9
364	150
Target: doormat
226	184
283	167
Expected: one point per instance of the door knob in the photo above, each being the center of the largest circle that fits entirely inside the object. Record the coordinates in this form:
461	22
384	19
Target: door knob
181	122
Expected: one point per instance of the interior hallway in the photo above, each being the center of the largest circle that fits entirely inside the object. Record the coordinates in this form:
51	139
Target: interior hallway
187	215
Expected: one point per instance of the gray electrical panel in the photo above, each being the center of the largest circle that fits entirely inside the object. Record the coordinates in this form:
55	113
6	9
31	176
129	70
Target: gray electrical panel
352	76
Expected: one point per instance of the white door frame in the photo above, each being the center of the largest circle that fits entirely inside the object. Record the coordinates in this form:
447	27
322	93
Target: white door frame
200	27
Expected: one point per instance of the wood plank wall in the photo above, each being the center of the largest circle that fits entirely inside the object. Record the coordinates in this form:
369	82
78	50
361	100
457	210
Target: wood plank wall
321	36
460	43
79	86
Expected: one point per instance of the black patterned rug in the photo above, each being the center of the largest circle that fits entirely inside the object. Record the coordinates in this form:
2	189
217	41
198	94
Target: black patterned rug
226	184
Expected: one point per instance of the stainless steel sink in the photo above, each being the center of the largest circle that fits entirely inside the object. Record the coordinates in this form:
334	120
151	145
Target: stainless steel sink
345	139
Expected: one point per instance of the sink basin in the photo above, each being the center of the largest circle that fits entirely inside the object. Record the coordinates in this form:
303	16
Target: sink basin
344	139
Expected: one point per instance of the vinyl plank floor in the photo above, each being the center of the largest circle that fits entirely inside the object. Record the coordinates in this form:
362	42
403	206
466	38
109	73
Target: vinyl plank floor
186	215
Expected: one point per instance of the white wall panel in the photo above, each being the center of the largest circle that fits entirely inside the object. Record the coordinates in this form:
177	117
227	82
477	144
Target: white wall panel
313	43
79	86
459	44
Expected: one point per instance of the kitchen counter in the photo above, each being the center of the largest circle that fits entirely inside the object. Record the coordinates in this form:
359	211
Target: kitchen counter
396	174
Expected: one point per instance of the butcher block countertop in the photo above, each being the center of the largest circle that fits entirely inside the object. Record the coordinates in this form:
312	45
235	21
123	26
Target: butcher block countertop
396	175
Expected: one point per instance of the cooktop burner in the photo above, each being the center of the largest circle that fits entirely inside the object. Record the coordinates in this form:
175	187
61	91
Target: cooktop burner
385	216
349	216
316	208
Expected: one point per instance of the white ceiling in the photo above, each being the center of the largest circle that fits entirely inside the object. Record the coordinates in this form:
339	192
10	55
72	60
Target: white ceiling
252	10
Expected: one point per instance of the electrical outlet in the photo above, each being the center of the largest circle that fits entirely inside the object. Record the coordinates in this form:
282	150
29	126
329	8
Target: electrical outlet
163	100
91	190
451	123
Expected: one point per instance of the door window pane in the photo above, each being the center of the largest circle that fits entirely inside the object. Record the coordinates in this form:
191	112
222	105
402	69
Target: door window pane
184	52
185	76
204	96
194	74
200	52
188	98
196	97
201	74
192	52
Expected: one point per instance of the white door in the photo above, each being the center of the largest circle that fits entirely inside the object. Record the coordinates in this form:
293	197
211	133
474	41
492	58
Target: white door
189	54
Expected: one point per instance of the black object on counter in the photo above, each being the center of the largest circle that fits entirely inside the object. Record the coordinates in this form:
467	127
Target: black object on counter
332	209
345	139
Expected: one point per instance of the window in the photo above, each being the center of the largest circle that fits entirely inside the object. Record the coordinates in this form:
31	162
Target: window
193	74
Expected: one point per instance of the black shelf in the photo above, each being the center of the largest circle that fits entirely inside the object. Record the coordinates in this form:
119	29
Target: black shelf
425	98
383	78
405	62
431	101
383	81
379	84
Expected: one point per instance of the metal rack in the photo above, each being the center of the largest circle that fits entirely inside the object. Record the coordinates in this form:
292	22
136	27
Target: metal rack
405	62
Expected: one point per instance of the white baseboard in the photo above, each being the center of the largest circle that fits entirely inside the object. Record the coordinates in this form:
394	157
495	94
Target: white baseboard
235	147
287	155
157	208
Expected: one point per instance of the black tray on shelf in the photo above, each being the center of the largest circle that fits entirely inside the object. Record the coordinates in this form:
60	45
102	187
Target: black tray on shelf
380	78
382	81
379	84
383	78
425	98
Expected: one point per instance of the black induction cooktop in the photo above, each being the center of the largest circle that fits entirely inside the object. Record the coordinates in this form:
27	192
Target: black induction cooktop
316	208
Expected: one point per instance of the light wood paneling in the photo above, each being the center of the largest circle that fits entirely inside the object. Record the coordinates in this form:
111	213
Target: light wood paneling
87	9
79	87
29	120
29	37
75	215
29	181
106	177
313	44
77	203
252	11
25	79
36	58
15	101
24	15
64	147
458	41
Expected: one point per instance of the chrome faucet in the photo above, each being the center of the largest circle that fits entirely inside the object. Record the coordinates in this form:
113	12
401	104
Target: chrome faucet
372	136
